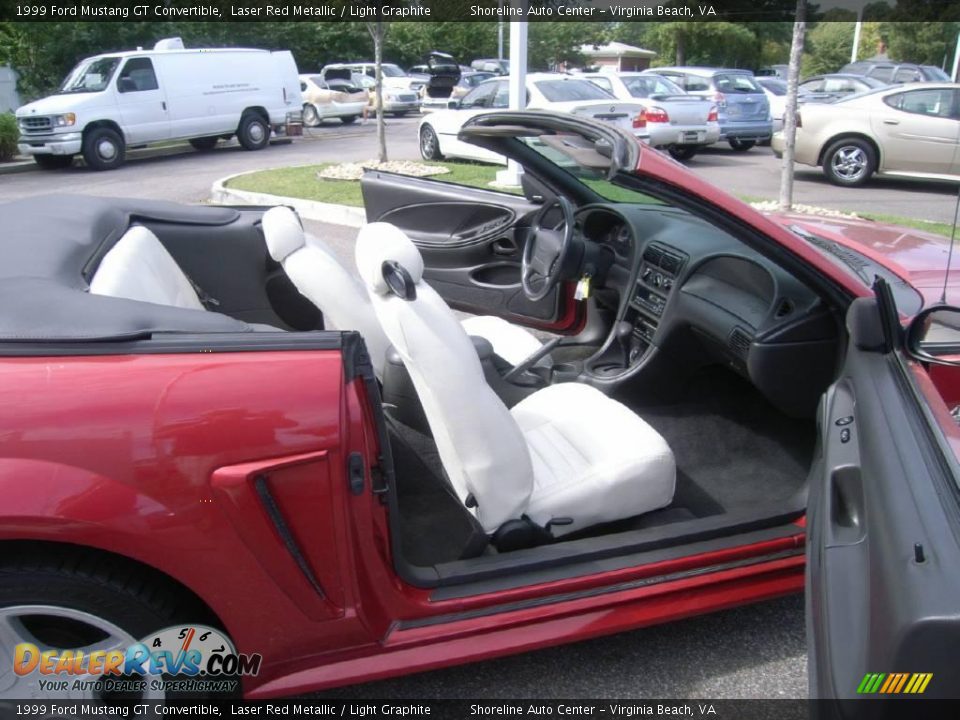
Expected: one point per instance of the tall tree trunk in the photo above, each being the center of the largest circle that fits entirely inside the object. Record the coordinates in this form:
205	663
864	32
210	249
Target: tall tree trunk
790	113
378	30
681	47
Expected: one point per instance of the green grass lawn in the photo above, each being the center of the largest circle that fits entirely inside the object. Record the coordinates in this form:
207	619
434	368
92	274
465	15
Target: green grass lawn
302	182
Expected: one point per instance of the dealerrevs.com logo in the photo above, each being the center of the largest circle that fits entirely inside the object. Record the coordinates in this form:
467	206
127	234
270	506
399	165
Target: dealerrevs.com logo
194	656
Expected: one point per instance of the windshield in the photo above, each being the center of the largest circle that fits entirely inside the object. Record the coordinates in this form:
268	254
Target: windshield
736	83
568	90
392	71
90	75
642	86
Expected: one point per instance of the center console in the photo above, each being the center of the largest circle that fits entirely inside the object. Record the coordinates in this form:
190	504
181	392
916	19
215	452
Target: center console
660	268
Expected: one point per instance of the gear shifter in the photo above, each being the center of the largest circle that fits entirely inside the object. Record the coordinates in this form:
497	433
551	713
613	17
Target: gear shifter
624	333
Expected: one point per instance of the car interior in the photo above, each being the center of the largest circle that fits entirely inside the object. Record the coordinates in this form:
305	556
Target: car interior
678	415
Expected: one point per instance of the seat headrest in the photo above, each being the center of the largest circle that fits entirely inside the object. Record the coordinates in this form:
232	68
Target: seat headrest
283	232
379	243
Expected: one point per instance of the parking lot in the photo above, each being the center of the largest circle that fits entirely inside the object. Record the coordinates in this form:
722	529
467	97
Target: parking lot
184	175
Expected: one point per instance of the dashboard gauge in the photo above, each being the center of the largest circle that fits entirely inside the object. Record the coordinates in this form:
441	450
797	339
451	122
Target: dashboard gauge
621	240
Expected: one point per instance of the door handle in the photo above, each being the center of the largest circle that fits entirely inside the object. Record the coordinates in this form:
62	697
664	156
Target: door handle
504	247
163	104
891	122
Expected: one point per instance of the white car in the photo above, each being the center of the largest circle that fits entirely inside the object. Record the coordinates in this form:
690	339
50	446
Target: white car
676	121
324	99
545	91
775	88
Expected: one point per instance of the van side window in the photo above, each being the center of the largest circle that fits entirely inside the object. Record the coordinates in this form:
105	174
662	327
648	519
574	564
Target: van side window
137	75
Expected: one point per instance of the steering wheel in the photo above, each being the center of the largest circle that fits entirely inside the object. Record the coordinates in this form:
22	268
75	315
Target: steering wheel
546	251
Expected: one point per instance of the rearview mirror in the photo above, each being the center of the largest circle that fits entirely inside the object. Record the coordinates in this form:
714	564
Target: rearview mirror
934	335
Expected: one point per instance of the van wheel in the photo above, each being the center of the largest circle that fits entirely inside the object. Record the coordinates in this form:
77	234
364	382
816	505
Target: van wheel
310	116
253	133
53	162
104	149
741	145
204	143
347	120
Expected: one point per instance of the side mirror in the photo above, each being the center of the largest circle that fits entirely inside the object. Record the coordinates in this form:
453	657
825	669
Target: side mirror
934	335
126	84
534	190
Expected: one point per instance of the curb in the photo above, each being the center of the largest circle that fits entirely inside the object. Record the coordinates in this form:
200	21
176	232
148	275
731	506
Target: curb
347	215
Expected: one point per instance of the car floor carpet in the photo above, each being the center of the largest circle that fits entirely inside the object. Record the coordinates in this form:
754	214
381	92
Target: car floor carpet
734	450
434	525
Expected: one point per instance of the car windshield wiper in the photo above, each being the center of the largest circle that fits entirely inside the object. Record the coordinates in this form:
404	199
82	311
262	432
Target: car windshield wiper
849	258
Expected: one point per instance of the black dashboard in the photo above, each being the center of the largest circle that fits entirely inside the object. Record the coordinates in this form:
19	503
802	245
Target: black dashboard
687	289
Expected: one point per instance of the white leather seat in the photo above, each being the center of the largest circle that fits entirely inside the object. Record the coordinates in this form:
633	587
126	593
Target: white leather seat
138	267
567	451
319	276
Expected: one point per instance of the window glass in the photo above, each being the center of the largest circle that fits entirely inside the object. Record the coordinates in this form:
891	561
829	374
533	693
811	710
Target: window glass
884	74
140	72
736	83
838	85
642	86
905	75
692	83
501	98
935	103
813	85
602	82
567	90
480	97
773	86
90	76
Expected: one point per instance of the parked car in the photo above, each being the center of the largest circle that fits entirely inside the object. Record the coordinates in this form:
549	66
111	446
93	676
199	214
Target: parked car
398	97
343	101
775	89
744	112
751	401
833	86
905	130
443	75
777	71
468	80
675	121
896	72
438	132
113	101
499	67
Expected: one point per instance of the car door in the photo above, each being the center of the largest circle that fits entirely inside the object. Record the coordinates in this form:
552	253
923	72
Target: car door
142	102
918	130
472	244
883	528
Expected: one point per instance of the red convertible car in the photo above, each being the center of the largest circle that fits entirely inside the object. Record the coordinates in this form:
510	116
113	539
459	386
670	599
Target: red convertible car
208	418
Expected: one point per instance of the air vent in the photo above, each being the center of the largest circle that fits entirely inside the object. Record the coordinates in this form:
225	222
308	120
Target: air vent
671	263
739	342
784	308
652	255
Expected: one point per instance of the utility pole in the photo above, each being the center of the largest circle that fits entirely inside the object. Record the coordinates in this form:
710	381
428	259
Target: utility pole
856	35
790	114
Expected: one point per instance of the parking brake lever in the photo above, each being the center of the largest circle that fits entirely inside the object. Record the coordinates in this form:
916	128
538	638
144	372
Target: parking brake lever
533	359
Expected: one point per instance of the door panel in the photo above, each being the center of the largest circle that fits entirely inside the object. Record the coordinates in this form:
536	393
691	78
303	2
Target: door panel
883	540
142	102
918	131
472	244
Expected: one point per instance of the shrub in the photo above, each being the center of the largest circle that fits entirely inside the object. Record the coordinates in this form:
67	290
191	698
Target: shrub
9	134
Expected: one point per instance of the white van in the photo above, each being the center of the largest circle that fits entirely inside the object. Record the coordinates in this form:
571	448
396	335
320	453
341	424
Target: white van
114	101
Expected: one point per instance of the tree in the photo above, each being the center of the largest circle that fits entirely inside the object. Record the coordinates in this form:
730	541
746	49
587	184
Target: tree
790	112
378	31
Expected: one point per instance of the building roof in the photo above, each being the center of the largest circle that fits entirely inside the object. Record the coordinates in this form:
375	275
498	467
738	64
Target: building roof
616	49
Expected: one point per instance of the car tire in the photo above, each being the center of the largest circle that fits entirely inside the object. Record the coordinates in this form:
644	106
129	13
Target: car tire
104	149
682	152
348	120
77	598
741	145
429	144
53	162
849	162
253	133
311	118
399	114
204	143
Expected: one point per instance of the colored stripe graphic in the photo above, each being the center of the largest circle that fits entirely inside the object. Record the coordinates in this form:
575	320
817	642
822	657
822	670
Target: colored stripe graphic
894	683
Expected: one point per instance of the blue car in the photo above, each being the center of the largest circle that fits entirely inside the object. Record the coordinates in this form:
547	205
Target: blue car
744	111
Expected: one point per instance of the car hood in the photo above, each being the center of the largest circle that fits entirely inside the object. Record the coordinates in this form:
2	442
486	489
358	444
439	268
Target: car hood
55	104
918	257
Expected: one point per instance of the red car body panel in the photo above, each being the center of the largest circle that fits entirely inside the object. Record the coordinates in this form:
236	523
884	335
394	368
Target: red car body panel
158	458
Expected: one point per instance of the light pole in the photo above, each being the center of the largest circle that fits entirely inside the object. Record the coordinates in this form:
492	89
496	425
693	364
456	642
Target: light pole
518	87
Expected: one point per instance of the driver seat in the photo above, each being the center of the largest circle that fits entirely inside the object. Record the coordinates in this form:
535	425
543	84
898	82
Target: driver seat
321	278
566	457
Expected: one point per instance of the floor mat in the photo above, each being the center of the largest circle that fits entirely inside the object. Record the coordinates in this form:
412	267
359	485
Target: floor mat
733	447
